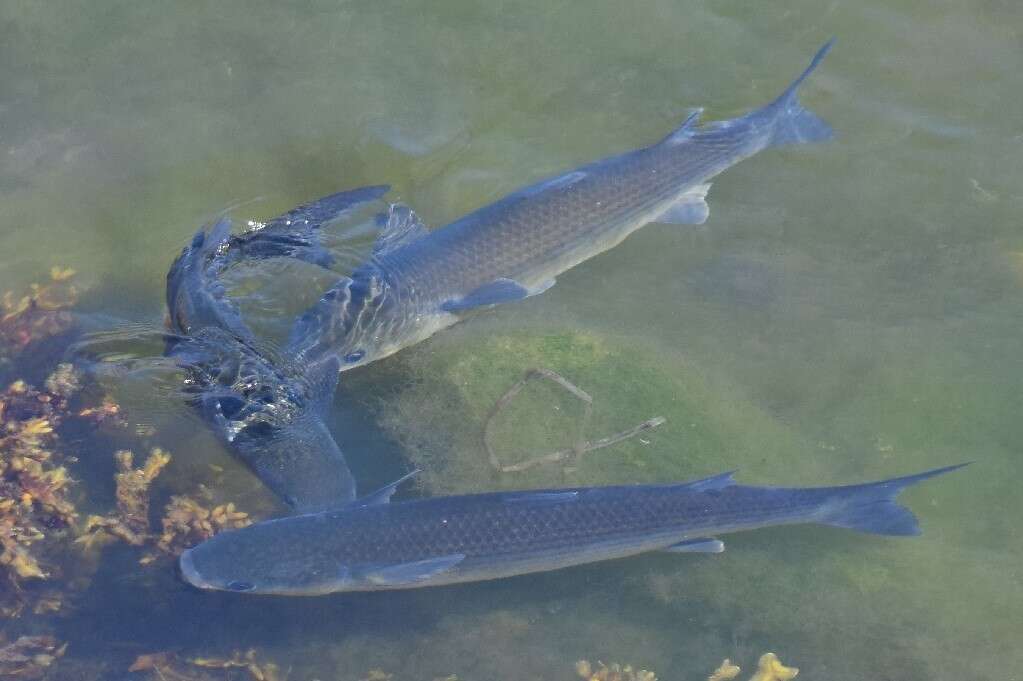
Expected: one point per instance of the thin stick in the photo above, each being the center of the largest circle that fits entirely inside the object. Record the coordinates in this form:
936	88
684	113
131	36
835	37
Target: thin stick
581	445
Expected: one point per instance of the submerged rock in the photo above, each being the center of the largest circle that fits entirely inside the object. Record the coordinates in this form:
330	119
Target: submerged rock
440	416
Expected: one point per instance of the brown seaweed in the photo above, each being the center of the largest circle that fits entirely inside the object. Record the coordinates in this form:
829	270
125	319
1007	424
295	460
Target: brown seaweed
167	666
35	484
185	523
29	656
130	523
769	668
40	314
611	672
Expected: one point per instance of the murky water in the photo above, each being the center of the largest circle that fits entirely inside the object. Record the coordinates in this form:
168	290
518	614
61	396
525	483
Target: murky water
849	311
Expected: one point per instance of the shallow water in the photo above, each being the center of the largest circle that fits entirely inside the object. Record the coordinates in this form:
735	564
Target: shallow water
849	311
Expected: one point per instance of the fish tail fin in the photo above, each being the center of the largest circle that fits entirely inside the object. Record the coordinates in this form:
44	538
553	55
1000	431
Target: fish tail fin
872	507
792	123
189	268
297	234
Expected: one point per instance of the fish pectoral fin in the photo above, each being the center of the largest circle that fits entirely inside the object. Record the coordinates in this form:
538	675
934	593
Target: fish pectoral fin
401	227
700	545
689	209
494	293
410	573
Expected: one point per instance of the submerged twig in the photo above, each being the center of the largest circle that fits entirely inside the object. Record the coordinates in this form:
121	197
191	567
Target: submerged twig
581	444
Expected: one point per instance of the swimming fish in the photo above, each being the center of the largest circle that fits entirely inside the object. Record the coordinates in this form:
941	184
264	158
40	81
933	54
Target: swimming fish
375	545
418	282
267	409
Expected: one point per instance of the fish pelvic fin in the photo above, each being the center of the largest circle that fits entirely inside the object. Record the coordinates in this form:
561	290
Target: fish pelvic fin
688	209
699	545
872	508
406	574
792	123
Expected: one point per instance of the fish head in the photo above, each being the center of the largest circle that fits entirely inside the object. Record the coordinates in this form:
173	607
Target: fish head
276	557
348	322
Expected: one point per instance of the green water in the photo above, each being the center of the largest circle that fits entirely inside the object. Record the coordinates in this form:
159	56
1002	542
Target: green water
849	311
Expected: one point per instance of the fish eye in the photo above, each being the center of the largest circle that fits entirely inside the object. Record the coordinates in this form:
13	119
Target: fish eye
353	357
241	586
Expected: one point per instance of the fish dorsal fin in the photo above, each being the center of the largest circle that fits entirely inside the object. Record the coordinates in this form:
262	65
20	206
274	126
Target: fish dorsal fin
384	494
402	227
714	482
688	209
410	573
685	130
700	545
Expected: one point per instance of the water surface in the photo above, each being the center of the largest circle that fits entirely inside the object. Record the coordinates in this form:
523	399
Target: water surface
849	311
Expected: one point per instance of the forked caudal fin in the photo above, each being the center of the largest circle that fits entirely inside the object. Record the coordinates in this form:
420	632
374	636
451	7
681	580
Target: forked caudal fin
872	507
792	123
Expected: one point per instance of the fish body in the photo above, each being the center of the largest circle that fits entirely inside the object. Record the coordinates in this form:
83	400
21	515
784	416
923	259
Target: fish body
375	545
270	415
266	409
418	282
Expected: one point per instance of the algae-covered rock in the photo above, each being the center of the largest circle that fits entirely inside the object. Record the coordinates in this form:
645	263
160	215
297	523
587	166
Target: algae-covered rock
440	416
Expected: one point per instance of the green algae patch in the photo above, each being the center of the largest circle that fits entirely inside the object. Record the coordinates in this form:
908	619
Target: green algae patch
452	387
